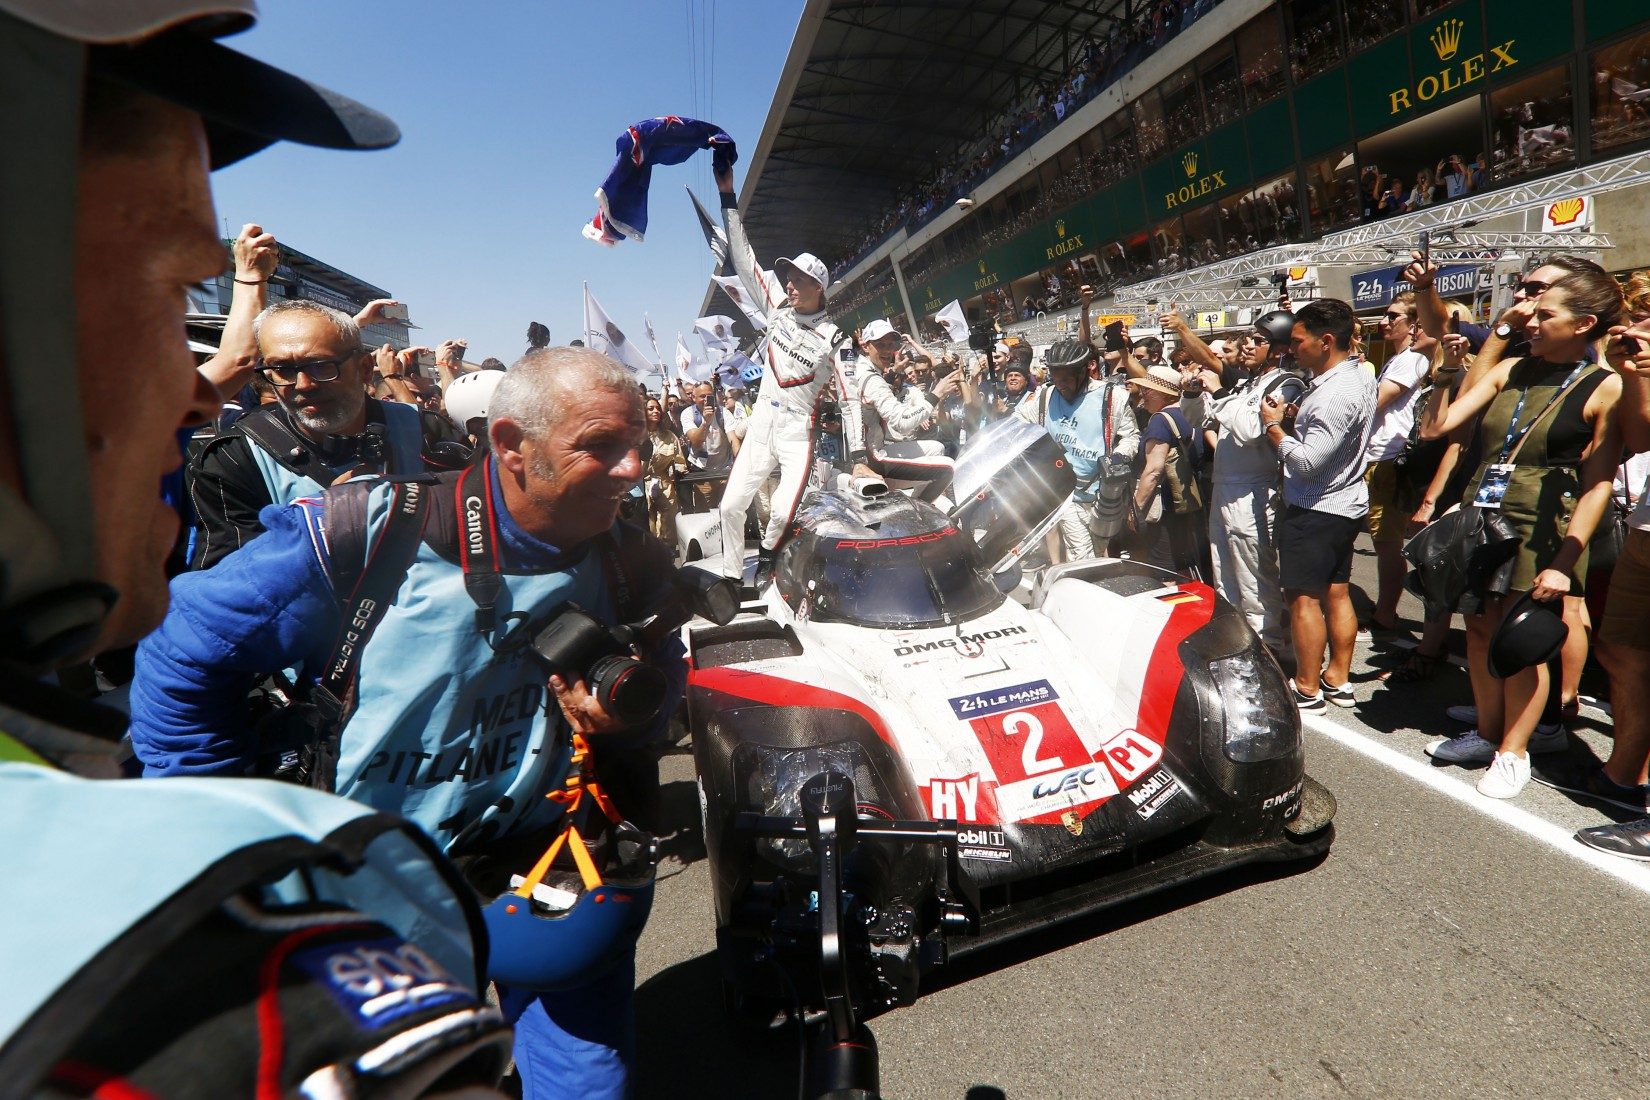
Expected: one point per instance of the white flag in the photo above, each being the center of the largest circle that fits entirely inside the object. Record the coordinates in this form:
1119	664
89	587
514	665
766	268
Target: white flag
717	332
684	358
954	320
734	289
601	334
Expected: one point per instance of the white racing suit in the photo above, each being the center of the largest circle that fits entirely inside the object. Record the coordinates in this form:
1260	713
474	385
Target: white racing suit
891	422
1243	513
802	373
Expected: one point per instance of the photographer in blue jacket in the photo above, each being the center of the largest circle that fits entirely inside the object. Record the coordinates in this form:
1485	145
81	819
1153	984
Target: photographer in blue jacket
415	637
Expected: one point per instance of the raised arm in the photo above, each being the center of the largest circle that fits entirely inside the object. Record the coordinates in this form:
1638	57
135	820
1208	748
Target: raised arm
256	257
745	263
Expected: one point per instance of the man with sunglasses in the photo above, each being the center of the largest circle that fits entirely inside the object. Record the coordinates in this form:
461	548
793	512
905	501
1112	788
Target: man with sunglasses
323	428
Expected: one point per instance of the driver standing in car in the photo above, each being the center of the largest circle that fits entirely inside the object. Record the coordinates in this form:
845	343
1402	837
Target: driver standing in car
803	371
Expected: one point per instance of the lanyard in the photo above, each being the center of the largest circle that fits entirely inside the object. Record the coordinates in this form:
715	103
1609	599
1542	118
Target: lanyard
1514	437
478	542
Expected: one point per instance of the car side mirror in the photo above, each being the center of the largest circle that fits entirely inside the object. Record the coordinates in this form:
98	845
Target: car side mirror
709	596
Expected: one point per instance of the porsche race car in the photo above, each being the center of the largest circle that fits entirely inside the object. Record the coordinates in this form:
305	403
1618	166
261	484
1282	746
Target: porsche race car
1012	753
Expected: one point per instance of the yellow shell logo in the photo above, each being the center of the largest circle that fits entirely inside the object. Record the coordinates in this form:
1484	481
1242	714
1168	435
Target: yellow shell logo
1296	274
1189	162
982	267
1060	228
1566	211
1446	39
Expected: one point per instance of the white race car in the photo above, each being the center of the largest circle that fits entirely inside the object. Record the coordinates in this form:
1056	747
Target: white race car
1005	763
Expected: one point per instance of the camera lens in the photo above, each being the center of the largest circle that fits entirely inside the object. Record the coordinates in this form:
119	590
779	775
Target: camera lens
630	690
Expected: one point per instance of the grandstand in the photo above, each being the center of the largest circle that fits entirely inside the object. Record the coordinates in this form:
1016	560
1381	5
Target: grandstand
1002	152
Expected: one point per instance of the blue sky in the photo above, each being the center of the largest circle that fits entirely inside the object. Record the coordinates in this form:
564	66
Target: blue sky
508	113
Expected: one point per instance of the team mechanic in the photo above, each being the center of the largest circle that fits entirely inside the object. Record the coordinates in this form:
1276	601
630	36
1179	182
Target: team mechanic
894	412
1243	511
205	965
451	726
803	372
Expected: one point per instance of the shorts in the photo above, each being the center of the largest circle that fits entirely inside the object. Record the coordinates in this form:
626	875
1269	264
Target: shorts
1314	549
1387	515
1626	619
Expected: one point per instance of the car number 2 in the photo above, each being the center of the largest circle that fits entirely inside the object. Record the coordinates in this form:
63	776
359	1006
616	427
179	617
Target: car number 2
1031	741
1023	722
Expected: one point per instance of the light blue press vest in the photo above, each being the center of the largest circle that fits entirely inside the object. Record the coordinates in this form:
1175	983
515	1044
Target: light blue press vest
403	432
1080	429
444	728
88	859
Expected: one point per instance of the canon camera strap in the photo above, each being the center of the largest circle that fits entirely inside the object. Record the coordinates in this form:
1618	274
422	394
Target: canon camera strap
478	541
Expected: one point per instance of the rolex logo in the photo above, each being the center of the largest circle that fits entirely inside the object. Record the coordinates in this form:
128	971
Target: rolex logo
1446	38
1189	162
1060	228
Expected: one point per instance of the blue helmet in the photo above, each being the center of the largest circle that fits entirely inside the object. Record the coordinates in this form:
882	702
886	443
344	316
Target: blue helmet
537	947
751	373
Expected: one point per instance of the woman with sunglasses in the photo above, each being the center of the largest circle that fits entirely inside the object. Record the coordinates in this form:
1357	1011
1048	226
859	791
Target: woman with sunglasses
1551	443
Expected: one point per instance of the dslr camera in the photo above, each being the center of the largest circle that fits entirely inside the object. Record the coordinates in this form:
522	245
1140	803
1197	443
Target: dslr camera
577	645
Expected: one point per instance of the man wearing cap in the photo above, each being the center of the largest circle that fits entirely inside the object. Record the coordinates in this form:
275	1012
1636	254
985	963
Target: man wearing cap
803	371
895	413
181	952
1325	499
1172	457
1092	422
1243	507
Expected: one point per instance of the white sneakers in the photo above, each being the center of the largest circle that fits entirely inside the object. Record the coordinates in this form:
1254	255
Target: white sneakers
1508	774
1470	748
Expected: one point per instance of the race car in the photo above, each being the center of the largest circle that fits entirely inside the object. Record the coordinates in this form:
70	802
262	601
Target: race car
1014	752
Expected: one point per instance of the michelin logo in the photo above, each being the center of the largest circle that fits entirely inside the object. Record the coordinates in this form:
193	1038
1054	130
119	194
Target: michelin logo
987	845
1154	792
998	700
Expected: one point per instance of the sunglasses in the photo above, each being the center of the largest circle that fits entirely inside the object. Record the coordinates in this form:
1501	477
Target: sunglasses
1531	288
1396	315
319	370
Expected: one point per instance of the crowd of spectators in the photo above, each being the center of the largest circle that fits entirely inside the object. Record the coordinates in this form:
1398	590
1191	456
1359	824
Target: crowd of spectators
1101	62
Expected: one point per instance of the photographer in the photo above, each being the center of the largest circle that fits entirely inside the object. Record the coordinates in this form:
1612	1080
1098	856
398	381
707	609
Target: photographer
1092	422
448	723
324	428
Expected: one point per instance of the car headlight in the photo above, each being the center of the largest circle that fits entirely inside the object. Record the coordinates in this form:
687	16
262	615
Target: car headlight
1255	731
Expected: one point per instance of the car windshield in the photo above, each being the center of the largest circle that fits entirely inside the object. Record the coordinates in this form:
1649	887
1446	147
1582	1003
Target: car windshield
920	580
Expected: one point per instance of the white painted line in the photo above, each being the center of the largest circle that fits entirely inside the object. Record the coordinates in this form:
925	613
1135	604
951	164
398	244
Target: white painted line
1629	872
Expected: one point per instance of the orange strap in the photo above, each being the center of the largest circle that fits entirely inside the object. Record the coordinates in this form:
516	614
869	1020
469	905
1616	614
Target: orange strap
579	780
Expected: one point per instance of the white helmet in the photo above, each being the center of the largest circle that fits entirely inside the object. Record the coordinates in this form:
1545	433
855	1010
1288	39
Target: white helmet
469	395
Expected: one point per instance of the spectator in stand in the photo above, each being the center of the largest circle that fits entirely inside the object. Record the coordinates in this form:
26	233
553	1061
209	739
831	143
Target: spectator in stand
1425	193
1624	630
1453	175
1551	445
667	460
1393	201
1401	382
1168	510
1325	499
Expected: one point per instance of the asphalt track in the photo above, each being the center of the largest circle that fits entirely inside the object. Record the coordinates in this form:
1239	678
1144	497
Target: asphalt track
1448	945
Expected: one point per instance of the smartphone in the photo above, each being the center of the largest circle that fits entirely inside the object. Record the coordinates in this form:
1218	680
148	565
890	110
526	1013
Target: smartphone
1113	336
1454	325
425	359
1424	247
1630	344
395	312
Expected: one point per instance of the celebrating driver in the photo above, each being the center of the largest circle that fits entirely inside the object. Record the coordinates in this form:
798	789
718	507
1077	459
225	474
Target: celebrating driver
803	371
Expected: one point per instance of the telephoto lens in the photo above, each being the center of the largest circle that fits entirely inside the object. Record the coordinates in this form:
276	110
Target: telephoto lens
630	690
